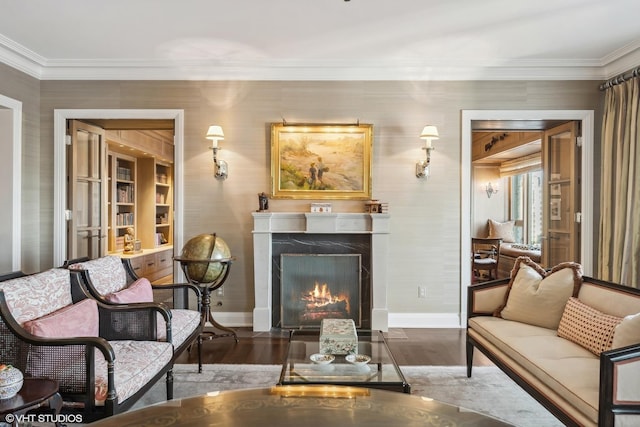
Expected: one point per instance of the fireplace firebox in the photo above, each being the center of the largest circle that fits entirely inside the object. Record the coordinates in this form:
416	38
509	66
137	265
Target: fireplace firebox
319	286
315	252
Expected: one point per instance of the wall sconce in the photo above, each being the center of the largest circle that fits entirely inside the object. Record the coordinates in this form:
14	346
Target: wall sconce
216	134
491	189
429	133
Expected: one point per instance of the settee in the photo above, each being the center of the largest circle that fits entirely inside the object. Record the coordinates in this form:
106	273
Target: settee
572	342
113	281
103	357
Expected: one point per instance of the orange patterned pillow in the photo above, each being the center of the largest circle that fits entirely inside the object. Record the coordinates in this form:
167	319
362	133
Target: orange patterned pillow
587	326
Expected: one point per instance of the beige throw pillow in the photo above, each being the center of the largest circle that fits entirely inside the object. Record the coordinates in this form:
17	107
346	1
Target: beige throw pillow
502	230
537	297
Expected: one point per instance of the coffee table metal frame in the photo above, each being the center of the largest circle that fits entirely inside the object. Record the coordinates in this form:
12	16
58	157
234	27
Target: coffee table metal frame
381	372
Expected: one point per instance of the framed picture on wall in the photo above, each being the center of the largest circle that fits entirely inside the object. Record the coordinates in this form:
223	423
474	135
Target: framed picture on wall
318	161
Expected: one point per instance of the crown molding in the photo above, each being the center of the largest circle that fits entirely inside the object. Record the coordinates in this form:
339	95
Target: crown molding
29	62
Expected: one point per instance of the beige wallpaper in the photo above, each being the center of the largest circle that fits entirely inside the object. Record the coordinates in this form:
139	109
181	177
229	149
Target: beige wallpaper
425	239
26	89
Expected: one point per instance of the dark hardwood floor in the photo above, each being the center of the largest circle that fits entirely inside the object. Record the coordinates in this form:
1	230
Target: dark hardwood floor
445	347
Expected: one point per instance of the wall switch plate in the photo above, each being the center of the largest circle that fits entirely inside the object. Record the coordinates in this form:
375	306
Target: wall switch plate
220	291
422	292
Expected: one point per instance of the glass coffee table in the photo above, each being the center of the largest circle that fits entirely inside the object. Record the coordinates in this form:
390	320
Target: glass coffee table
381	372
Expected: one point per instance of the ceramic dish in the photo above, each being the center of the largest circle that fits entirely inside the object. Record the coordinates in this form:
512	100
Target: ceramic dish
322	359
358	359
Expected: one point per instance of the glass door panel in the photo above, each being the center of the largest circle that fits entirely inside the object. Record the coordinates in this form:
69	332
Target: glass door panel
561	162
86	176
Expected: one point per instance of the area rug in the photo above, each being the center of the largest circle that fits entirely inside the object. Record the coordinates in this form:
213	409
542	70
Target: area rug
488	391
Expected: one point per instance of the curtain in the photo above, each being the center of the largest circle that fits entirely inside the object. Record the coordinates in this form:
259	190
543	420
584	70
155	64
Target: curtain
619	243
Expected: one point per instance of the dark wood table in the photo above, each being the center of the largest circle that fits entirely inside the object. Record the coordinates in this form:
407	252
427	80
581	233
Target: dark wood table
34	392
309	406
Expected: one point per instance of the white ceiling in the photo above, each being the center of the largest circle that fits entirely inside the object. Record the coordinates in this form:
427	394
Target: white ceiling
321	39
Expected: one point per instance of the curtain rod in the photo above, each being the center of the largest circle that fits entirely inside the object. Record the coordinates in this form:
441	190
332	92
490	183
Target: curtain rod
621	78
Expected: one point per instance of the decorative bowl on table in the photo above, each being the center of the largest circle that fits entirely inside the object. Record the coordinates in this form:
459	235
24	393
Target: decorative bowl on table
322	359
10	381
358	359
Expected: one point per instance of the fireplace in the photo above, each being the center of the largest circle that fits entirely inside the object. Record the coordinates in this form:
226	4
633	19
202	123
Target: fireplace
362	236
319	286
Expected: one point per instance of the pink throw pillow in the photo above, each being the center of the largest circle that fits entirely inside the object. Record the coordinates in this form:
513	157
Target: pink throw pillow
138	291
76	320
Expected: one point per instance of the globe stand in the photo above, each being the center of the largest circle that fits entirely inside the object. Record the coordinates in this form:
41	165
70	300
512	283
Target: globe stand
206	288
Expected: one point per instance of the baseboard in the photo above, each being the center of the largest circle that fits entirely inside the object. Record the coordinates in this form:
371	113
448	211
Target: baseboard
234	319
424	320
396	320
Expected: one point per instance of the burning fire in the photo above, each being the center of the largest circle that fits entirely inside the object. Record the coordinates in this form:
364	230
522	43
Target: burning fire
321	297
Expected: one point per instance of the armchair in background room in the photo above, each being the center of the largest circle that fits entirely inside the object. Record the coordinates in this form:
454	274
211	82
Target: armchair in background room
485	256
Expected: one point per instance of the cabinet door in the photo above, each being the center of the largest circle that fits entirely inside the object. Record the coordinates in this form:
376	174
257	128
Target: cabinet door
561	220
86	177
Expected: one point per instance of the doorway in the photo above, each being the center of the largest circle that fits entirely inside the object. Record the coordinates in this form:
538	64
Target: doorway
11	177
60	140
586	119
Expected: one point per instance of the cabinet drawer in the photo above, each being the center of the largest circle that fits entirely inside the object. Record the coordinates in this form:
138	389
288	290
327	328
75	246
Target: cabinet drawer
136	264
165	259
149	265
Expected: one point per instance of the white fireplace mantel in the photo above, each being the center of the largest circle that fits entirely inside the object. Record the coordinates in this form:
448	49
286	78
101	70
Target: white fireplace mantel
265	224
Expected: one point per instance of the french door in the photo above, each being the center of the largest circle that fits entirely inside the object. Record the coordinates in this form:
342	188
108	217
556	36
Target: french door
86	191
561	199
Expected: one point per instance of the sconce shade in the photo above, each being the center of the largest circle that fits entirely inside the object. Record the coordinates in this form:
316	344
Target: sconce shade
429	132
215	132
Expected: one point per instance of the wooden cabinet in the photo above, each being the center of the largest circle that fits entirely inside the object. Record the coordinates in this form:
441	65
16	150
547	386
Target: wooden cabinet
154	264
158	144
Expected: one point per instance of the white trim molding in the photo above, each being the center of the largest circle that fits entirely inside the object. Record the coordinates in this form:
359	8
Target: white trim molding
466	202
16	186
59	154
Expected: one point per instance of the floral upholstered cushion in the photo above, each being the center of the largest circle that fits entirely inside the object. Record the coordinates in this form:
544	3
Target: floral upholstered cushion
107	273
76	320
137	362
538	297
37	295
138	291
183	323
587	326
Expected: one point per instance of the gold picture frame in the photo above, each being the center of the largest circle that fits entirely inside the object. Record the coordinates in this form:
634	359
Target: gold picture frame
316	161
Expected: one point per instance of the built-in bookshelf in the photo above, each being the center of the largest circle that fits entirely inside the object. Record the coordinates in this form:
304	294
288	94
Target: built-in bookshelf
164	203
140	173
157	205
122	198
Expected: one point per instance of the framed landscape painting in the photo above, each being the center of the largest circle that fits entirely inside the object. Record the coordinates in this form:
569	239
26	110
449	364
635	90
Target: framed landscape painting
315	161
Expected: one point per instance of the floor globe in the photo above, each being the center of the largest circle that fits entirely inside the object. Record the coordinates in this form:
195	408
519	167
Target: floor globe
197	253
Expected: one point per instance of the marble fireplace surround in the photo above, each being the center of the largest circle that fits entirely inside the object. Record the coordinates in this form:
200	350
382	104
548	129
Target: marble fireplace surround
266	224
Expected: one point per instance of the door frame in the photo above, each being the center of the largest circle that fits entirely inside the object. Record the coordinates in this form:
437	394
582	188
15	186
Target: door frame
59	153
16	176
466	201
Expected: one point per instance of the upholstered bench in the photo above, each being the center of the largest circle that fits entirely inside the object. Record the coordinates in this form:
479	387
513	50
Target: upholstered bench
572	342
112	280
103	357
